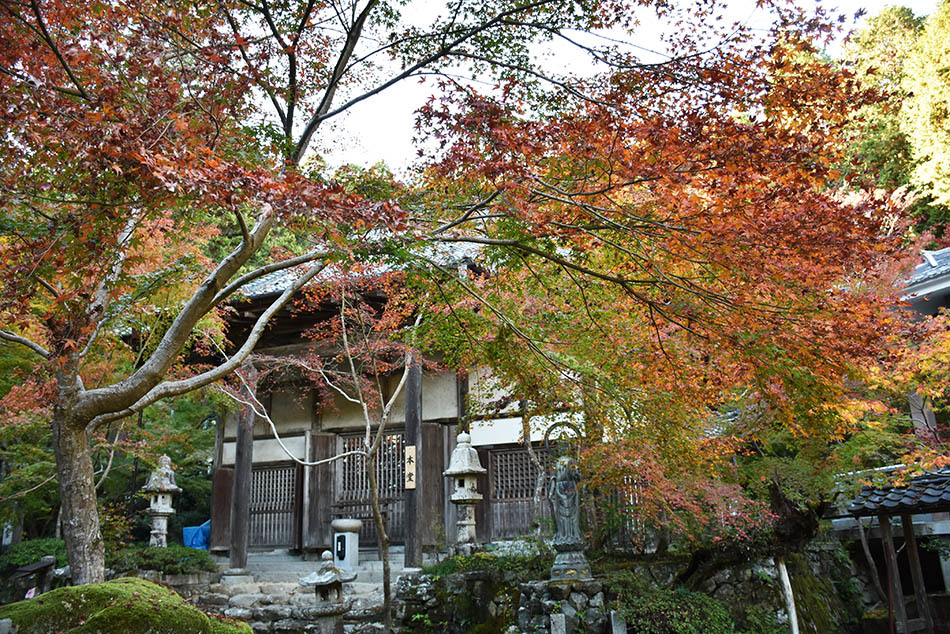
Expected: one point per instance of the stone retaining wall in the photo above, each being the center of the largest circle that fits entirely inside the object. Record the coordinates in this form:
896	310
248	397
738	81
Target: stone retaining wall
581	602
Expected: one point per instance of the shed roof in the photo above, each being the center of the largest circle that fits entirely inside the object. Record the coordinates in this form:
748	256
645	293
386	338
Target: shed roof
933	264
926	493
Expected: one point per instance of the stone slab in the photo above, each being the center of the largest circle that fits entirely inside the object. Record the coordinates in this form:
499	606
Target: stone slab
559	624
617	624
236	579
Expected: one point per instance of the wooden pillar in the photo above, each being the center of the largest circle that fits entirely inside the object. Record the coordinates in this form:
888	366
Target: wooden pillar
320	507
414	509
920	590
895	591
241	496
483	515
219	428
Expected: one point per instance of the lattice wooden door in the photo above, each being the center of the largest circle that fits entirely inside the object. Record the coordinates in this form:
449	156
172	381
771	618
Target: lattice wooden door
274	506
352	491
513	479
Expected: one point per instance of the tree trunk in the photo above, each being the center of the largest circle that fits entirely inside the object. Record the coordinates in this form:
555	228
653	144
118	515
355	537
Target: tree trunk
789	595
78	504
383	540
875	579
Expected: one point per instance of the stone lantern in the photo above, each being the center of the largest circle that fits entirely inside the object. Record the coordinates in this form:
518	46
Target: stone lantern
464	469
160	487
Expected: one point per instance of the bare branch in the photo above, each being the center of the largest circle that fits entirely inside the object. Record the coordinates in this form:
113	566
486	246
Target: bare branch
52	44
105	472
352	37
23	341
100	303
174	388
264	270
258	408
28	491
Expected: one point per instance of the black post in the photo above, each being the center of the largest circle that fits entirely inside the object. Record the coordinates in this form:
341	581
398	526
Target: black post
241	495
413	556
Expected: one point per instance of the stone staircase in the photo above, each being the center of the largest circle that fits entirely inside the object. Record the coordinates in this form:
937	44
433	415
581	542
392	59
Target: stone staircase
276	602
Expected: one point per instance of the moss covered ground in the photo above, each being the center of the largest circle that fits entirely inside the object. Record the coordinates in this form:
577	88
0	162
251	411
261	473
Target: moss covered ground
122	606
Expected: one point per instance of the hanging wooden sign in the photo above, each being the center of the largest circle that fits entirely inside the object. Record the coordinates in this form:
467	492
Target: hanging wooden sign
410	467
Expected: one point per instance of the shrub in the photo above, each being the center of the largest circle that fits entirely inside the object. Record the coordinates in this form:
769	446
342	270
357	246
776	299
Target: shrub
30	551
115	607
762	620
173	560
676	612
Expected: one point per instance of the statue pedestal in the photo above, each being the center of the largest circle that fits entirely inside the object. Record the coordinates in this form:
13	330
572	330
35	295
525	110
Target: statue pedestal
570	563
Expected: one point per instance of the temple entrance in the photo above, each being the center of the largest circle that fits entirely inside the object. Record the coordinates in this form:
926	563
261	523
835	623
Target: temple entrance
352	494
275	506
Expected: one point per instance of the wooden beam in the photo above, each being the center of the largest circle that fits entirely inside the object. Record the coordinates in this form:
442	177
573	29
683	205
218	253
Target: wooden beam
413	509
920	590
896	592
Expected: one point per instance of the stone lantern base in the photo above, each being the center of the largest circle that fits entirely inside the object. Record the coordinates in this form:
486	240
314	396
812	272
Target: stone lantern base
159	534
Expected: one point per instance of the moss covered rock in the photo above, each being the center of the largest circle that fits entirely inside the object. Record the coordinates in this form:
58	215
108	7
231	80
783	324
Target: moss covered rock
122	606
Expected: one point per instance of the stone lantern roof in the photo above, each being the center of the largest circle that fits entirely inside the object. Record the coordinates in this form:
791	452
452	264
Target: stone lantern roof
464	459
162	480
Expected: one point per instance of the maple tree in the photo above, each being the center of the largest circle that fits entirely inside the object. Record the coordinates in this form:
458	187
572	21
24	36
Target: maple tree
155	164
658	266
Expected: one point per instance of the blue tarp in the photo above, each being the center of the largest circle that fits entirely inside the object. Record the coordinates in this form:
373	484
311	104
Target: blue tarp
196	536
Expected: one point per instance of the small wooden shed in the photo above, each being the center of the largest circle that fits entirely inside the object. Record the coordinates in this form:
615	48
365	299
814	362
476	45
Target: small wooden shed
926	493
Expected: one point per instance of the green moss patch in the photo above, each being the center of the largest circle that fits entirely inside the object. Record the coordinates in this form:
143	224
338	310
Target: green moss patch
123	606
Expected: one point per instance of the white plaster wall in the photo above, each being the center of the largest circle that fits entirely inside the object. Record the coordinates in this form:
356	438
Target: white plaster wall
502	431
439	401
439	398
268	450
292	411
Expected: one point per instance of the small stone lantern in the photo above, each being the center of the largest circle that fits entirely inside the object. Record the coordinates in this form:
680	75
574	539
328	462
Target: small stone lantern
160	487
464	469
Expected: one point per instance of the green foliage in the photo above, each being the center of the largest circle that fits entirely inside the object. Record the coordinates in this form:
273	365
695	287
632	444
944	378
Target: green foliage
676	612
173	560
513	568
897	142
30	551
115	607
925	116
762	620
936	545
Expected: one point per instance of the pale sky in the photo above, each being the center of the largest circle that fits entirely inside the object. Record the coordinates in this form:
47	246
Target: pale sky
381	128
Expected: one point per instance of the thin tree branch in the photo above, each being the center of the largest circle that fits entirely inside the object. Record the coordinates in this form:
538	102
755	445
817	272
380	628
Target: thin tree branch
23	341
52	44
174	388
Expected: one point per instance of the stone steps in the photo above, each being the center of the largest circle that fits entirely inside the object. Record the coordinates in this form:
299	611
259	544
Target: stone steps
285	567
286	607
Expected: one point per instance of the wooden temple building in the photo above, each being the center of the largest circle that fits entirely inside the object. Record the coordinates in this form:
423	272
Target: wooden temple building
926	497
264	500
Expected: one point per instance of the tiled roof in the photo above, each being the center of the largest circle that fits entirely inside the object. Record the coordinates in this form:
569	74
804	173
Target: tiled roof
274	282
933	264
927	493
